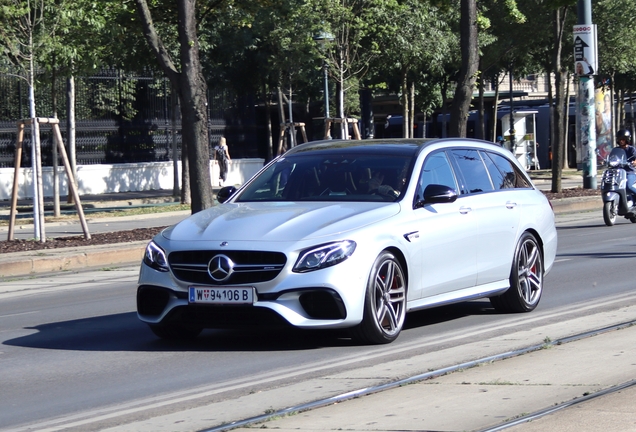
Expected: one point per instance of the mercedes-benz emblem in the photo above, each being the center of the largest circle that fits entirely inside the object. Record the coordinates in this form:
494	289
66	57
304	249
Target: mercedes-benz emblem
220	268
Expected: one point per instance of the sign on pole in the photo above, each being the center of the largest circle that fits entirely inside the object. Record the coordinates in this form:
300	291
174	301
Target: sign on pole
585	58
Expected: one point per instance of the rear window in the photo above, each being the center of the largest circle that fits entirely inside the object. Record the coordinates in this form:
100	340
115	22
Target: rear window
503	173
473	170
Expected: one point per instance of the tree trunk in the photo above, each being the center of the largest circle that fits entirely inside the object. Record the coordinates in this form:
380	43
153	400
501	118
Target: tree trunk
185	175
412	117
558	145
566	121
481	124
54	155
444	133
467	73
70	131
495	109
176	190
192	90
405	105
282	147
268	119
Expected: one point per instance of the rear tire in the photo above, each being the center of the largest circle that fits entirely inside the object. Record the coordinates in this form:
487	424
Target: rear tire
526	278
175	331
609	213
384	303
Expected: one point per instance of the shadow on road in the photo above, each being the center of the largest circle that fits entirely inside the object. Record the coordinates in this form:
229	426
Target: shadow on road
124	332
438	315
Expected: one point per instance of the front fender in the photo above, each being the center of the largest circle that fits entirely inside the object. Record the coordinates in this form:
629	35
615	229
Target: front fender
611	196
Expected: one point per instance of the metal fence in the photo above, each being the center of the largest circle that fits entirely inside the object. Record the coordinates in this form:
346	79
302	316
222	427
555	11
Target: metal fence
120	118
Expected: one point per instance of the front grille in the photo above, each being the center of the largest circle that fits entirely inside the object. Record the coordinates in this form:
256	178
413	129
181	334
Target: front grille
249	266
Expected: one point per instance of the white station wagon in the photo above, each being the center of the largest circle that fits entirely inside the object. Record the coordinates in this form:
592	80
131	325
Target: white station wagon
354	234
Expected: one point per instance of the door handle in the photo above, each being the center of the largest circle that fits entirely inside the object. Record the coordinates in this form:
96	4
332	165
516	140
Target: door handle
465	210
511	205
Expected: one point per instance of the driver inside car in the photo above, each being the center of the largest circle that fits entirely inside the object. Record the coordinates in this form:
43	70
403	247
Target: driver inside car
375	184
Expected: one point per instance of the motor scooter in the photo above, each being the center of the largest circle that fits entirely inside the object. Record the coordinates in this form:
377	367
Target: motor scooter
617	199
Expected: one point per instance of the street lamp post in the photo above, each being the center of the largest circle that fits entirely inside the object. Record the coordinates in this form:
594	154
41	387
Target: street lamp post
324	38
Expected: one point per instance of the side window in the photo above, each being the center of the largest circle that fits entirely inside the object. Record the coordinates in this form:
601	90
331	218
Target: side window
503	173
436	170
473	170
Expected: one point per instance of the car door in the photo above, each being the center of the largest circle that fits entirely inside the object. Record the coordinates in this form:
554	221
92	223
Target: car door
447	234
496	208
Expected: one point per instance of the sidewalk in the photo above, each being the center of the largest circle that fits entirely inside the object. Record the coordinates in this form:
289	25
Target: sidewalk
563	378
489	395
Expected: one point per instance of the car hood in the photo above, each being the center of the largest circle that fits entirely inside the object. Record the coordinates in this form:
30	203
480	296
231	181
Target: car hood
278	221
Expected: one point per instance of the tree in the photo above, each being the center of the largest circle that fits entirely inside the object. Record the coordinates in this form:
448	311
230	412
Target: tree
23	43
191	87
416	43
469	68
352	23
504	48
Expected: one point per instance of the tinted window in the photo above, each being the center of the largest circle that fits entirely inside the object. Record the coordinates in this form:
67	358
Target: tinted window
473	170
503	173
436	170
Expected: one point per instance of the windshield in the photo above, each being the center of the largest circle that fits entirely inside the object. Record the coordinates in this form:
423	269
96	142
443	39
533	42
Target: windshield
617	156
331	177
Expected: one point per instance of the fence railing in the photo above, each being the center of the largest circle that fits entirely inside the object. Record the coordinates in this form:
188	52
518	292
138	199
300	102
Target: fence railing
120	118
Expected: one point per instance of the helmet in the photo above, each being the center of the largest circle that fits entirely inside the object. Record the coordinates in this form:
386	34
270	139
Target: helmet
623	134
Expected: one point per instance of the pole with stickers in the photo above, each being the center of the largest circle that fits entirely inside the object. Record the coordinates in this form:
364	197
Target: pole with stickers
585	67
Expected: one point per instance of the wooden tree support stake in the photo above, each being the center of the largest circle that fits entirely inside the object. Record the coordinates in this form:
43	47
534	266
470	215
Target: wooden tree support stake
330	121
67	167
284	127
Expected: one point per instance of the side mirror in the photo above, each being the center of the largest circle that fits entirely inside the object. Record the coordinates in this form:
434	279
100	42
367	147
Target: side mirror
435	193
225	193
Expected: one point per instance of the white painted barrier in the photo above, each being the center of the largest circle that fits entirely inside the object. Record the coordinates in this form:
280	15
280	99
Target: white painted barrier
133	177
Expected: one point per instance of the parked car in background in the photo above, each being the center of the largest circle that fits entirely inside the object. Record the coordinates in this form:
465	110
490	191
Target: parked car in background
354	234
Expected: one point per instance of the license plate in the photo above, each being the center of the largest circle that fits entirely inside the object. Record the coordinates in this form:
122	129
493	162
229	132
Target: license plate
221	295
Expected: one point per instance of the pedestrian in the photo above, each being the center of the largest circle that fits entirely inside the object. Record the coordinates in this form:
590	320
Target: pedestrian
222	156
583	68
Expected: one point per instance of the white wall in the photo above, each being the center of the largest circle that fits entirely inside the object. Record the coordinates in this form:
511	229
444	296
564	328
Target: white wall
98	179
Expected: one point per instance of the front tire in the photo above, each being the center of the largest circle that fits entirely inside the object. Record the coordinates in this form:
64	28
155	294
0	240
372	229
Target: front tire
609	213
526	278
384	303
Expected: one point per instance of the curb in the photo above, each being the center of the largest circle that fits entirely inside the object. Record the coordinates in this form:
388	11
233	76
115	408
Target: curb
24	264
575	205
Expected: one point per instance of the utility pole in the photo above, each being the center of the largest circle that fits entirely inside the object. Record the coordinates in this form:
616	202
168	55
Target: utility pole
585	66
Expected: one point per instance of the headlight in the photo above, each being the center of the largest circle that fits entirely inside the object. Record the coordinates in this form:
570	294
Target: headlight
155	257
324	256
614	161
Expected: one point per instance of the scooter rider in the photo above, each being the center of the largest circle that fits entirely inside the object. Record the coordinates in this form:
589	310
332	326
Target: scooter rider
623	138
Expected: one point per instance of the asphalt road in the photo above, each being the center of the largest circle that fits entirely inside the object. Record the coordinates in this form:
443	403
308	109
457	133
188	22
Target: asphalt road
74	353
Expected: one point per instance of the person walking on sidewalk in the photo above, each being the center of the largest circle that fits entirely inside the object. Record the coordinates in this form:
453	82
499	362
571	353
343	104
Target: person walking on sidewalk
623	139
222	156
